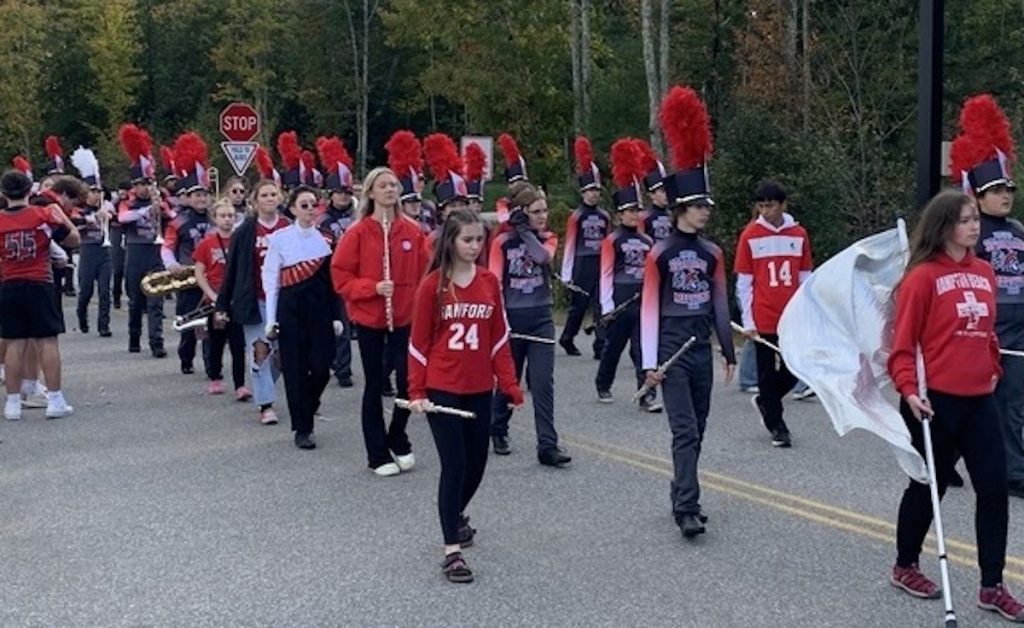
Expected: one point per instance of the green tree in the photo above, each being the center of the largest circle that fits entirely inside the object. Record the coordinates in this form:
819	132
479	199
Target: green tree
21	65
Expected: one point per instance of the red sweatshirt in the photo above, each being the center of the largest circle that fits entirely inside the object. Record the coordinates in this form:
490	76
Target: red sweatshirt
461	348
358	264
949	309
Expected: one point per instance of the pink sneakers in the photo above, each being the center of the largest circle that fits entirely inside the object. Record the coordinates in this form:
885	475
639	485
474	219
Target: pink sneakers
216	387
1000	600
911	580
242	394
268	417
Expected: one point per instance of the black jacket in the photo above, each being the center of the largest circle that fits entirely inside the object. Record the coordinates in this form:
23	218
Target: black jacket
238	292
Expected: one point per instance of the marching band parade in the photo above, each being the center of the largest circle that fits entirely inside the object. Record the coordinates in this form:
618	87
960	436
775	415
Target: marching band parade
454	302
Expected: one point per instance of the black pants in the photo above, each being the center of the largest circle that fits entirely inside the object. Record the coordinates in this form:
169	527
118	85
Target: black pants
232	336
117	258
1009	394
462	447
381	440
585	275
342	365
306	343
969	425
686	392
141	259
624	329
539	361
186	301
773	382
94	271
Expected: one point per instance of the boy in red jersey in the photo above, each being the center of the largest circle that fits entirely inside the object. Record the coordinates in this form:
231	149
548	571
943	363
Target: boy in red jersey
773	257
458	349
29	307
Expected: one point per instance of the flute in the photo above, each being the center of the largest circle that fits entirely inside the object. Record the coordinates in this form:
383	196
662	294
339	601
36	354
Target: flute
105	226
529	338
389	309
665	366
432	407
739	329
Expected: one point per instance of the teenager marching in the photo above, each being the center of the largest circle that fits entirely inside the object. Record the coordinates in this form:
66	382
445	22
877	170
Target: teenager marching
623	255
656	220
242	299
93	220
521	259
945	309
981	155
773	257
337	217
376	268
303	311
458	350
685	296
587	227
210	258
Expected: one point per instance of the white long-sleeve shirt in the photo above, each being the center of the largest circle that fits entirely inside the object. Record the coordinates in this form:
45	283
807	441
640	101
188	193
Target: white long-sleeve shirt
288	247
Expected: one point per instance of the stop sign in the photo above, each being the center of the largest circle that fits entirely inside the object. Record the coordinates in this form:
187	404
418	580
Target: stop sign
239	122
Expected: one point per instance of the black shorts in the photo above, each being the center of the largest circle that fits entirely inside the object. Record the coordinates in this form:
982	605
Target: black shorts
29	309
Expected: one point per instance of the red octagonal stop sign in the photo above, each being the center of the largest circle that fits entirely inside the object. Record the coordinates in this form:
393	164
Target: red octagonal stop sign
239	122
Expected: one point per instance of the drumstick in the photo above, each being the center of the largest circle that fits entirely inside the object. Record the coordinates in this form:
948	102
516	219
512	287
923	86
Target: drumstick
736	326
432	407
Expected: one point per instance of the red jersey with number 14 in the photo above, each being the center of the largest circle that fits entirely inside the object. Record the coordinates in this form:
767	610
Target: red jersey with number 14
774	257
461	345
25	242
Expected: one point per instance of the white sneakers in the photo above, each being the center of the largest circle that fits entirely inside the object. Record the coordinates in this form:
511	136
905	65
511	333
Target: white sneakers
12	409
401	463
406	462
387	470
58	408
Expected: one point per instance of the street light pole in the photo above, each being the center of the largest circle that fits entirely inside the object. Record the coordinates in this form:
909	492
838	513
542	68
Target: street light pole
931	26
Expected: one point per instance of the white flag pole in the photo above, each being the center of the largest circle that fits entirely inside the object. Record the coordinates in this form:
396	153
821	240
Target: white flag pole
929	456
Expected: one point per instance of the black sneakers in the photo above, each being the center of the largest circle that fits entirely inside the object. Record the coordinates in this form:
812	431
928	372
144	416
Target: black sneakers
649	403
569	346
501	446
304	440
554	457
691	526
605	396
781	438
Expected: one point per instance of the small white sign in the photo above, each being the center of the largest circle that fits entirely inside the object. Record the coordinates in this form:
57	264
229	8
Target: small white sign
239	155
487	144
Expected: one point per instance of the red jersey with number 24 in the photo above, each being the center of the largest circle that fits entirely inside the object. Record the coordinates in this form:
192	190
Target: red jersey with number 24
25	242
461	345
775	258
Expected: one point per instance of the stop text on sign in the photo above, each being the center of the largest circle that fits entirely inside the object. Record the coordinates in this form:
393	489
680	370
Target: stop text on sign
239	122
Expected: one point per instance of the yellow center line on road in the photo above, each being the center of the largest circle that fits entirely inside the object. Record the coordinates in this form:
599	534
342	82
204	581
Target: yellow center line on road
958	551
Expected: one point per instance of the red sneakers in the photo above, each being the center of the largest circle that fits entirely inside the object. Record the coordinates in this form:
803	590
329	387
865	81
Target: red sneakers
911	580
1000	600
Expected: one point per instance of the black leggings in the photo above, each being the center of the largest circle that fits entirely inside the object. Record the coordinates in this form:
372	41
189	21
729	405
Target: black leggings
232	336
375	347
462	447
970	425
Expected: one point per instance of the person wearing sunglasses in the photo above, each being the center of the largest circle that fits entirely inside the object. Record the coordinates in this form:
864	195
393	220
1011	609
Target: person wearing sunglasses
236	193
297	280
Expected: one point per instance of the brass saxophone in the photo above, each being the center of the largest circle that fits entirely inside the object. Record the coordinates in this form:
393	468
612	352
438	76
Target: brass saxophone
163	282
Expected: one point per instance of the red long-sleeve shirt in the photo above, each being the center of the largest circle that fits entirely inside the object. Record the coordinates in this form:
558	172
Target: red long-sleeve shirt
358	265
949	309
461	345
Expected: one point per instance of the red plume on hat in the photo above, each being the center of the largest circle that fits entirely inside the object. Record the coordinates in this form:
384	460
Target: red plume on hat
332	152
308	171
135	142
984	134
265	164
289	149
476	162
584	156
686	124
442	156
509	148
650	158
405	154
189	150
22	164
627	163
55	153
167	160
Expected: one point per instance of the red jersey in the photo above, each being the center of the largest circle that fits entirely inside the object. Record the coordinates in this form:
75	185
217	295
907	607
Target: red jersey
25	242
212	253
262	243
770	262
358	264
461	345
948	308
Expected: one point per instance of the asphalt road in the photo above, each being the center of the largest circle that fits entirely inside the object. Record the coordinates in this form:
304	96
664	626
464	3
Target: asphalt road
158	505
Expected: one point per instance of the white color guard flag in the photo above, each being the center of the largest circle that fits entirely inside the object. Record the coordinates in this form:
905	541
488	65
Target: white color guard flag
835	335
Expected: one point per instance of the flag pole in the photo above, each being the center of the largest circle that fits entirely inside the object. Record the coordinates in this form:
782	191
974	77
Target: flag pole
929	456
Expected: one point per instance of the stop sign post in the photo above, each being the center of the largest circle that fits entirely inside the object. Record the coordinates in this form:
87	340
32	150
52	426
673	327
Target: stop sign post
239	123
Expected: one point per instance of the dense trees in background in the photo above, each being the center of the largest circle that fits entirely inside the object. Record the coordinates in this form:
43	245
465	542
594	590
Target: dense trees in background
818	94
